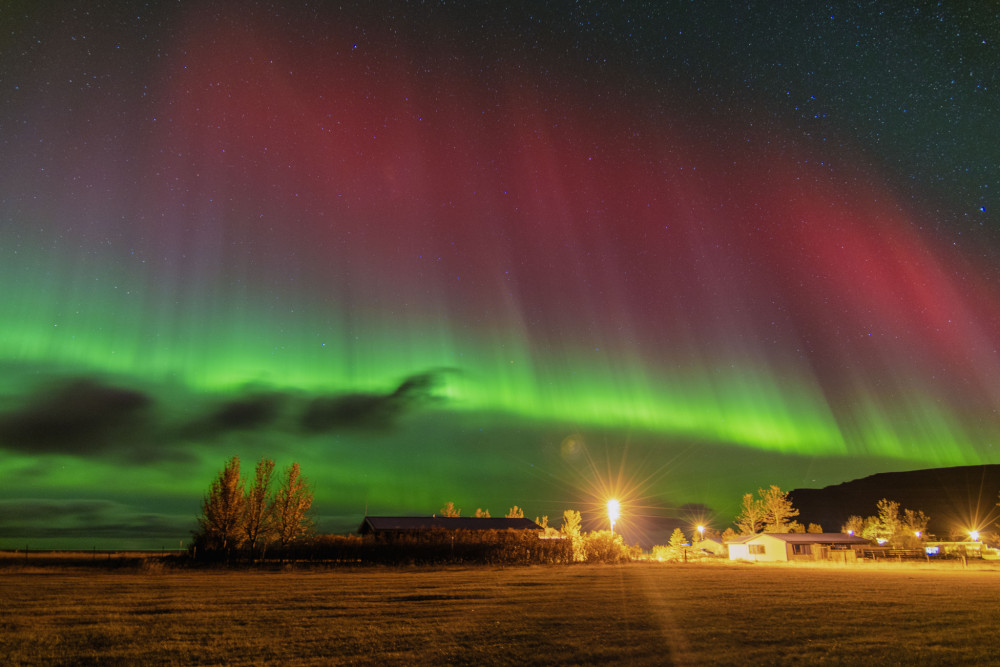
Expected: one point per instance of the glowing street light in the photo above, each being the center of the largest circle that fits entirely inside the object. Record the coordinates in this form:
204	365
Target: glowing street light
701	533
974	534
614	511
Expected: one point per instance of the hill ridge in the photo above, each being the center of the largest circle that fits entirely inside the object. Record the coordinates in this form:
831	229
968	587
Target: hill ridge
957	499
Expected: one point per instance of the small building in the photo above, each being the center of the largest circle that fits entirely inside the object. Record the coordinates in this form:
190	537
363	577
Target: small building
783	547
712	545
391	526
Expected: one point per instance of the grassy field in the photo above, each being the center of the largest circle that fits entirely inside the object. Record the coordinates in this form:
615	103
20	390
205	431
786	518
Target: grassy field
641	613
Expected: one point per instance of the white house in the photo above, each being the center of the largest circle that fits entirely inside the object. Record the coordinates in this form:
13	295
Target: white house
712	545
796	546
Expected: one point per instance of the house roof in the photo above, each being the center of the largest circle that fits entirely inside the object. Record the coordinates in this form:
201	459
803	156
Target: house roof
374	524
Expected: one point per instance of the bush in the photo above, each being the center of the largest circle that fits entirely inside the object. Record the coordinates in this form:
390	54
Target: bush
603	546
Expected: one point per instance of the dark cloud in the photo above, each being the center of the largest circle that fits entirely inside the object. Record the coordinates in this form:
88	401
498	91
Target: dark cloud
92	417
78	417
240	414
29	518
368	411
249	412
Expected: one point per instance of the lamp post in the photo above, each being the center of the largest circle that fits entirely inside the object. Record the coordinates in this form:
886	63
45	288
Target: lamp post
701	533
614	510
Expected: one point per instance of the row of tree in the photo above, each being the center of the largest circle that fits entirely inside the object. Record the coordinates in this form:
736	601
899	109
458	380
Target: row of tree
771	511
892	525
434	547
450	510
602	546
243	517
240	514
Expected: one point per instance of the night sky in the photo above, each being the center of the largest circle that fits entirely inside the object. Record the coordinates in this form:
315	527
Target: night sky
436	251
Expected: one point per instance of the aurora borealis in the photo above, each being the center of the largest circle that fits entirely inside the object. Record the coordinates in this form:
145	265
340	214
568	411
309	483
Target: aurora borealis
437	253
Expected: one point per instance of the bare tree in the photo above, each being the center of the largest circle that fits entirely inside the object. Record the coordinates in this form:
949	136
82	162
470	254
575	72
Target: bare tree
482	514
221	522
751	516
449	510
257	523
778	510
291	503
515	512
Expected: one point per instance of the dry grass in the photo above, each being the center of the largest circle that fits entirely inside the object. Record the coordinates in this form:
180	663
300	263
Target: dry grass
641	613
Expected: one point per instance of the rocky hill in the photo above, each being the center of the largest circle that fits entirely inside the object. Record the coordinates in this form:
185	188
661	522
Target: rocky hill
956	499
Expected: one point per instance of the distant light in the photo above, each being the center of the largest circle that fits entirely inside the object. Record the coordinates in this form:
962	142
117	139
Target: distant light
614	509
850	532
974	534
701	529
917	533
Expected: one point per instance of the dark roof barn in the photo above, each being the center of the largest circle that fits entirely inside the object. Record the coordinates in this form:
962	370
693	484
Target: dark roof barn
380	525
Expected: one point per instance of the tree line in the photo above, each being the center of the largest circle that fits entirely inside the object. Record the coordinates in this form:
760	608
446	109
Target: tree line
250	515
250	518
771	511
601	546
892	525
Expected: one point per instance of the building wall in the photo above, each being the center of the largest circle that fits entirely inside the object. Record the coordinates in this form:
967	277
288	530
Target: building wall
773	550
738	552
776	550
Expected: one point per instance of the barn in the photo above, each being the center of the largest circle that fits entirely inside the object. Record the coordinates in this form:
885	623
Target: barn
393	526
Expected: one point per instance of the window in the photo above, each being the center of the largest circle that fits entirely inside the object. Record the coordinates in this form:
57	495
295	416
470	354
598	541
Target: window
756	549
802	549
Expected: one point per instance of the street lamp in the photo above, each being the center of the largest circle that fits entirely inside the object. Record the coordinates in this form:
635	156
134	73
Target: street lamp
701	533
974	534
614	510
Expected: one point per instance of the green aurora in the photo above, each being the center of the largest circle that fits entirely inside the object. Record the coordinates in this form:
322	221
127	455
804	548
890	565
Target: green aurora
438	284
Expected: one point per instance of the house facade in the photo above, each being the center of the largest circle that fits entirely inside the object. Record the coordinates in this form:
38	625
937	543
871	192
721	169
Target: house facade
784	547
